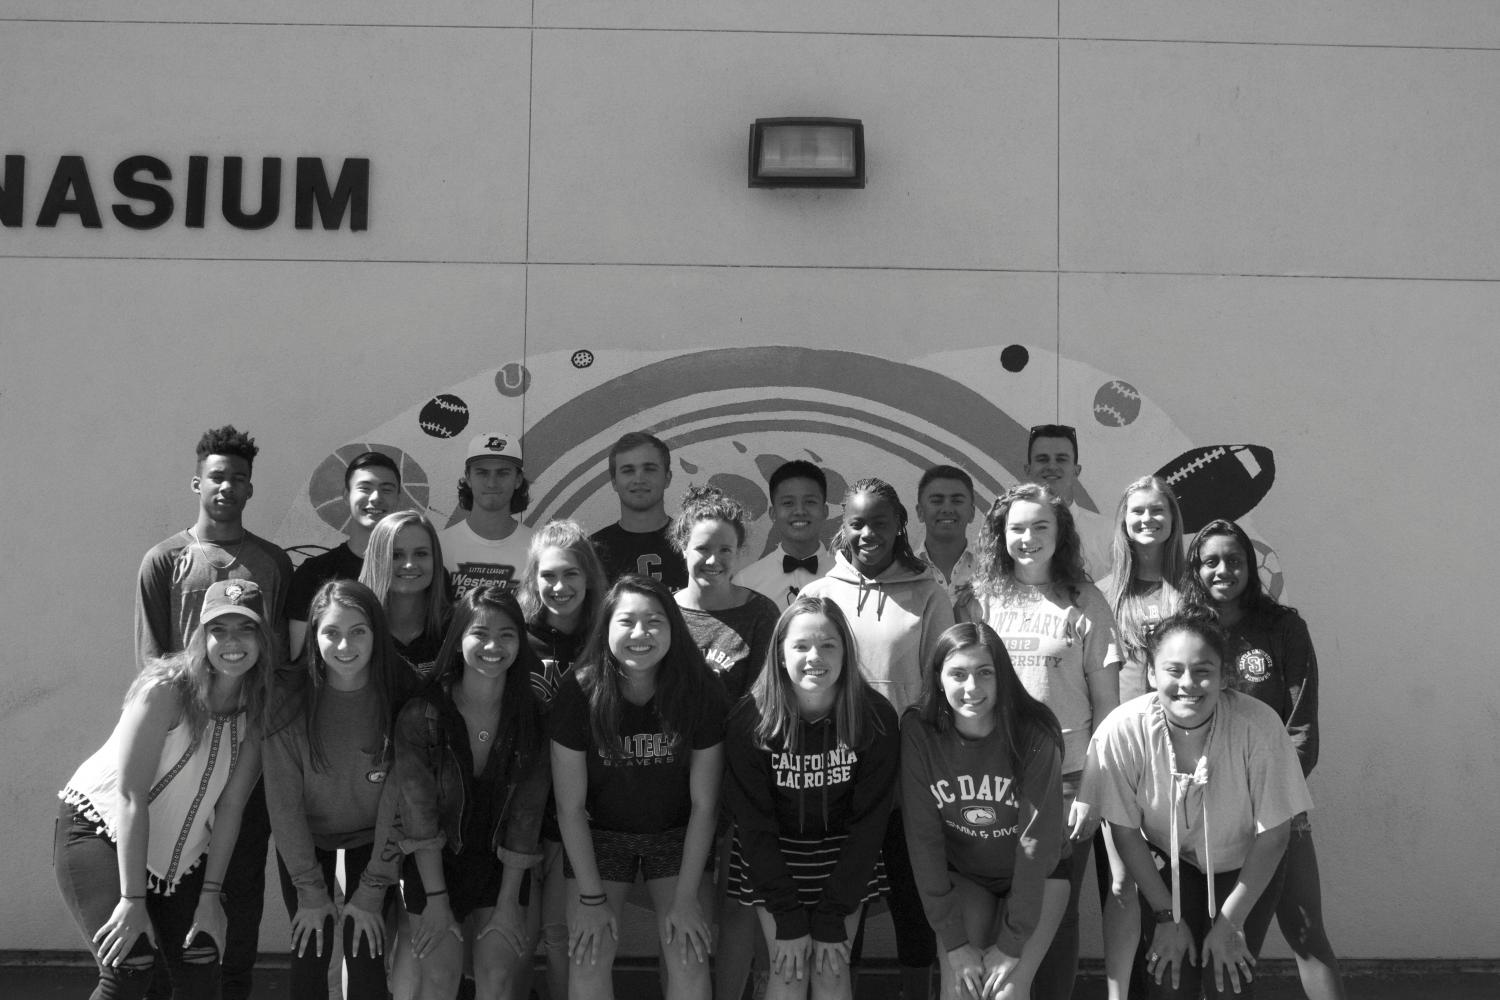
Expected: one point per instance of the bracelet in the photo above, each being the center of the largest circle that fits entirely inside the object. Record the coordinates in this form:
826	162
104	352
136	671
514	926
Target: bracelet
213	885
125	896
593	898
440	892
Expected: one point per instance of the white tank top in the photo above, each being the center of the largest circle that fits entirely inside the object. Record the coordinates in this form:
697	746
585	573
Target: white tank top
190	776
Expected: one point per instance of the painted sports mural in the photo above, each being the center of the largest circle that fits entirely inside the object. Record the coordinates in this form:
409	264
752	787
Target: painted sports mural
732	415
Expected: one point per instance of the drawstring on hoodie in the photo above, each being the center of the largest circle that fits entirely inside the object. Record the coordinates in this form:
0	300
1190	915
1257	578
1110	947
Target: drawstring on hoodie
866	584
1181	785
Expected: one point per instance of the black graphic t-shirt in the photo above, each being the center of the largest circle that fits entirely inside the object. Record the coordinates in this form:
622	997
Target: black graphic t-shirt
644	553
646	790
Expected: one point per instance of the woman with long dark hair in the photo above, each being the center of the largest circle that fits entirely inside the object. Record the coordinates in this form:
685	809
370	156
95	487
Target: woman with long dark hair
1273	659
982	801
472	776
637	757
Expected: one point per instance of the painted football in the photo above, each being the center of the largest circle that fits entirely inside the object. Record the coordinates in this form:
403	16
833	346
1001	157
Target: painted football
1224	480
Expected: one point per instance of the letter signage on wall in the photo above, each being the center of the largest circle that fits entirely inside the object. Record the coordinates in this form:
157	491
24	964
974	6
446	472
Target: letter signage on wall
148	193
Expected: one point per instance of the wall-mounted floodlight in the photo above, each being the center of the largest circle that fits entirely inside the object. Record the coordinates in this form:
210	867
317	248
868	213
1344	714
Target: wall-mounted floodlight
807	152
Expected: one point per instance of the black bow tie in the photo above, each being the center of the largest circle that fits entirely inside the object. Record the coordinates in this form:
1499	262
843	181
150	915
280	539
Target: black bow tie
790	563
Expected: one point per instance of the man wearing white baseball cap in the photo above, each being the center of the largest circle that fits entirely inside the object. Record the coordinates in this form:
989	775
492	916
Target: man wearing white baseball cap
489	546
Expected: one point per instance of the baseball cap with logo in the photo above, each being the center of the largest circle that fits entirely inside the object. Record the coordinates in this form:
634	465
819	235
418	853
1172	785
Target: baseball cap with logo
233	597
495	445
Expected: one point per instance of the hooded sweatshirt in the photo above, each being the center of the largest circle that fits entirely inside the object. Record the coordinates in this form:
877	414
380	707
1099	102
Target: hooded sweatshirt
896	616
555	651
825	789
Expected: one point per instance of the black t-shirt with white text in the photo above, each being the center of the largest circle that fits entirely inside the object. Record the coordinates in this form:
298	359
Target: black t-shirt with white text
648	789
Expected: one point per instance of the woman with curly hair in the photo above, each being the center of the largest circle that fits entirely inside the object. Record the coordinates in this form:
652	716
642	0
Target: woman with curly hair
1032	589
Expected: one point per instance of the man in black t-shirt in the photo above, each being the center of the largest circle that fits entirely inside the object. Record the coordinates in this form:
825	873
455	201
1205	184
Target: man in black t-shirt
640	467
372	488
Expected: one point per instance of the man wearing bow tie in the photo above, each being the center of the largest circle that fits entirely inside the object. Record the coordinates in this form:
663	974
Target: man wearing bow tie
799	507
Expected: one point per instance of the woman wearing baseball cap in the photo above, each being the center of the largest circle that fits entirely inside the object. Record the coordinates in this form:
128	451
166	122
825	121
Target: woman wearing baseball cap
148	822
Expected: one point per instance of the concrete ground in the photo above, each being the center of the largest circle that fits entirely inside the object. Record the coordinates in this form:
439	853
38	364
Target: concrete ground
1479	980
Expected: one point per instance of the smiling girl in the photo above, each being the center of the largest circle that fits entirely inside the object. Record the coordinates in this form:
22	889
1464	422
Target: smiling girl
1273	660
637	755
981	782
561	593
148	823
326	762
472	775
1144	587
1208	778
896	609
1031	588
731	625
404	568
812	758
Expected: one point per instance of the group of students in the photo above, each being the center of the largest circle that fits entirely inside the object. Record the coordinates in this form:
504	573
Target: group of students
502	735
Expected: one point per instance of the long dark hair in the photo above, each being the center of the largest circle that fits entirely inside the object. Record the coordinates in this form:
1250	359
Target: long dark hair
901	551
518	706
776	700
995	570
390	677
1254	600
682	677
1023	721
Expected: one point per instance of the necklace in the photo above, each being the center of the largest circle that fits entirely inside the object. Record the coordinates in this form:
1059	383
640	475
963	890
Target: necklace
234	554
460	701
1189	729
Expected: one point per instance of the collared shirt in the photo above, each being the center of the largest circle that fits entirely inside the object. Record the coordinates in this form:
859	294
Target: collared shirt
767	576
962	579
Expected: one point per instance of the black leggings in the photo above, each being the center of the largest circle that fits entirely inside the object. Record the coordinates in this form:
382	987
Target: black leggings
310	970
1195	980
916	945
88	874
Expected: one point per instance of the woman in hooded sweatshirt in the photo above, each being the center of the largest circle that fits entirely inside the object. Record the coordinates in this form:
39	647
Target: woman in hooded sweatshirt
562	591
896	609
812	756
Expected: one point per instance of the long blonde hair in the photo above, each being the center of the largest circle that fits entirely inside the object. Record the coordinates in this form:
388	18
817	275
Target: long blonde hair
1122	568
191	676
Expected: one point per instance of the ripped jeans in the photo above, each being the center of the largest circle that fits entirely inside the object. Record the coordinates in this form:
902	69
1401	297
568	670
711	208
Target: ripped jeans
88	875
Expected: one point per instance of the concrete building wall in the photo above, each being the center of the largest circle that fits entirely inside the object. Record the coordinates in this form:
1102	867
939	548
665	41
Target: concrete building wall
1274	223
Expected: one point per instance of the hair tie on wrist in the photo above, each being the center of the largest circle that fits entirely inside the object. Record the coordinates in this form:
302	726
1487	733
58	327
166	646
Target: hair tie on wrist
439	892
593	898
141	896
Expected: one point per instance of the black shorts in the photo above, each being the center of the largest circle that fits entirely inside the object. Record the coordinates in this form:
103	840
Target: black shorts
472	878
619	856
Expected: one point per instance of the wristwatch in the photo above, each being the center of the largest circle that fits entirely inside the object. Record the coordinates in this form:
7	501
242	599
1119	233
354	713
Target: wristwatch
1165	916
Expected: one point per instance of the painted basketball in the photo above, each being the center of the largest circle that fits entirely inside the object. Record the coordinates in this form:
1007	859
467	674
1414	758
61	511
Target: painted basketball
443	416
1225	480
325	490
